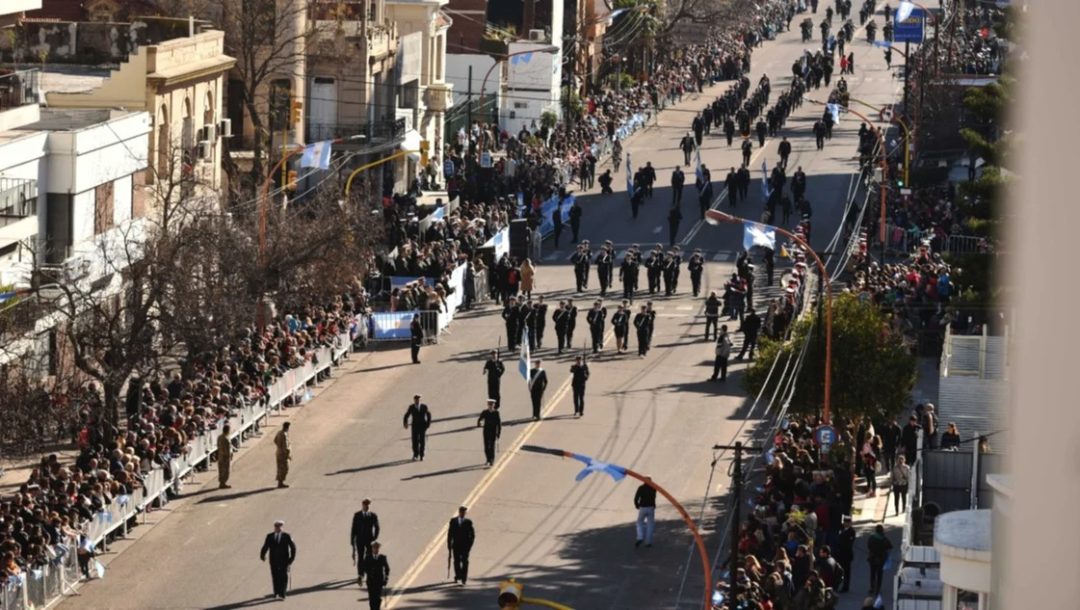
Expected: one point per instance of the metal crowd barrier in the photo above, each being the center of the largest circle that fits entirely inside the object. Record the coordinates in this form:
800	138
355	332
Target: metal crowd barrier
965	244
42	586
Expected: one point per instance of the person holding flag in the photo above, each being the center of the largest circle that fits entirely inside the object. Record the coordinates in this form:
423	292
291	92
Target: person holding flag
537	378
704	187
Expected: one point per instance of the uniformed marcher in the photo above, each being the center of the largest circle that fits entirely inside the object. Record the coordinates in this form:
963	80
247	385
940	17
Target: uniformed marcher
628	273
511	317
579	374
561	318
696	265
712	314
604	265
416	337
377	569
668	270
674	219
283	453
571	321
459	541
747	148
641	323
492	424
596	317
751	325
620	321
785	151
420	415
676	258
279	545
650	314
705	190
731	184
678	179
540	319
537	384
493	370
581	268
653	265
224	457
362	535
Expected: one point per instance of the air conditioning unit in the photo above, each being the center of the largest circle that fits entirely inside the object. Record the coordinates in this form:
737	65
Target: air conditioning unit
206	149
225	128
209	132
537	36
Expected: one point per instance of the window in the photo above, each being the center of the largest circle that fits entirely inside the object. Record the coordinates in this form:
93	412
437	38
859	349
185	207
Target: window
280	96
967	600
103	207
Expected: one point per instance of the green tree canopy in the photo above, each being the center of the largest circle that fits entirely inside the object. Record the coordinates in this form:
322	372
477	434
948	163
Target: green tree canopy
872	372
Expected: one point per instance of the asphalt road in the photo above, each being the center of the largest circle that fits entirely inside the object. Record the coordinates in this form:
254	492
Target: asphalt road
565	540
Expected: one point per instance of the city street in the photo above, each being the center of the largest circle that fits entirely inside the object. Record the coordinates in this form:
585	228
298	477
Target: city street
569	541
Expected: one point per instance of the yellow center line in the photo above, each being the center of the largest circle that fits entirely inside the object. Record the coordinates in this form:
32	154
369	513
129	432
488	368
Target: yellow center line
439	541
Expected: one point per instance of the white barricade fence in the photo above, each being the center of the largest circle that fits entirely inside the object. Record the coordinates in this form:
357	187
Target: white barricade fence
36	587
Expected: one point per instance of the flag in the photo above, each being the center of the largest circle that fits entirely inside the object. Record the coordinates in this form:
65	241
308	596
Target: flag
700	174
616	472
629	177
757	234
317	155
904	11
834	109
525	362
765	192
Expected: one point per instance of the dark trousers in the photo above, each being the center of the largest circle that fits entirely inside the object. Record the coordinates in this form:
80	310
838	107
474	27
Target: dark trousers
569	336
642	343
537	400
677	194
489	447
597	338
513	335
495	394
540	335
561	336
877	571
363	551
889	457
375	596
749	341
686	157
279	574
419	439
695	282
461	565
628	291
845	584
579	399
899	497
416	353
713	322
720	368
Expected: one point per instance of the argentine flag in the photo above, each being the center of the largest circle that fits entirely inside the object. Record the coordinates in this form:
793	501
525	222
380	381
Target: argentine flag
525	361
317	155
629	177
757	234
700	174
765	192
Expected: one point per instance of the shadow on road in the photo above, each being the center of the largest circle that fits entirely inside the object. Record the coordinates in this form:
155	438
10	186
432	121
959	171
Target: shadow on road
368	467
268	599
439	473
236	495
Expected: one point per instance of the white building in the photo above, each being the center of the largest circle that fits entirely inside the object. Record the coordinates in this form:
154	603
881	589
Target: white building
534	79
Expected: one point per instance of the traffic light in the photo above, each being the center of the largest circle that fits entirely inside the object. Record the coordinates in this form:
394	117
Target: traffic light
295	109
510	594
425	146
290	180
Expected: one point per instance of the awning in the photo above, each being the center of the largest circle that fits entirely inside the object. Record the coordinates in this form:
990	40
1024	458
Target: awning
411	143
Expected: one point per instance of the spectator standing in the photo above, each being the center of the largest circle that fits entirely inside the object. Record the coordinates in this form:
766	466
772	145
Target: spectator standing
224	457
416	338
898	478
878	548
950	439
283	453
723	352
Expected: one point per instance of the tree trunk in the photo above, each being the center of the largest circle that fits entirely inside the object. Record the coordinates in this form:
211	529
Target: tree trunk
111	400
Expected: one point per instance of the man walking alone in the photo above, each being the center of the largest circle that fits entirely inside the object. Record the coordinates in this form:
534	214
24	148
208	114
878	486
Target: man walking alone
420	415
459	541
645	503
491	422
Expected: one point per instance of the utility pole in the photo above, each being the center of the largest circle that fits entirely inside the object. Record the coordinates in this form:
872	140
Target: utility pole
736	488
468	126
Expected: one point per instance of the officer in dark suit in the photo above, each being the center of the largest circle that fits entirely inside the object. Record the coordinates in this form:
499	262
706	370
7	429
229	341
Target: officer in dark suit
282	554
651	313
540	319
459	541
751	326
537	384
579	373
364	533
492	425
628	271
377	569
678	179
731	183
696	265
416	337
604	265
494	369
596	317
421	420
641	323
571	321
581	268
511	317
560	319
652	271
744	181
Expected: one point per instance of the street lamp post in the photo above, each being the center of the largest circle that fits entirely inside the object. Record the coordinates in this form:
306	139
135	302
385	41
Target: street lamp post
714	217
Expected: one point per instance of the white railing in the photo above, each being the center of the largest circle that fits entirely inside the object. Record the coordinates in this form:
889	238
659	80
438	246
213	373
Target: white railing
40	587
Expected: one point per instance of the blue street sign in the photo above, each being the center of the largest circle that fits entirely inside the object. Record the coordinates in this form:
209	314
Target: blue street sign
825	436
910	29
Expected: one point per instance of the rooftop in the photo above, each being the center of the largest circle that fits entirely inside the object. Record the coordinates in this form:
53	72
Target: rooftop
964	534
71	79
73	119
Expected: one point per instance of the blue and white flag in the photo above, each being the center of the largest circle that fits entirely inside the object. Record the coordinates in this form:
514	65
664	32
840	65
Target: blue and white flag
615	471
629	177
757	234
904	11
317	155
700	174
765	192
834	109
525	361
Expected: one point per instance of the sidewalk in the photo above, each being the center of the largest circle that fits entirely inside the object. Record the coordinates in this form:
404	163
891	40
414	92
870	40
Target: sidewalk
871	511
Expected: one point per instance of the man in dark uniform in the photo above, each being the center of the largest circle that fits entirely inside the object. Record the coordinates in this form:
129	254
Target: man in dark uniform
528	323
604	266
540	319
678	179
652	271
377	569
556	219
650	314
674	219
537	384
571	322
364	533
581	268
648	175
744	181
579	373
819	134
620	321
282	554
845	552
459	541
712	315
494	369
492	425
676	258
416	337
667	270
687	146
421	419
762	129
575	219
747	147
696	265
596	317
510	315
731	183
785	151
641	323
698	126
798	184
729	130
628	275
705	190
751	326
560	319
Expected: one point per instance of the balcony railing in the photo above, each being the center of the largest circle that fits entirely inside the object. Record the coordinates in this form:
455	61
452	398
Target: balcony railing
18	199
380	131
18	88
